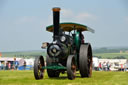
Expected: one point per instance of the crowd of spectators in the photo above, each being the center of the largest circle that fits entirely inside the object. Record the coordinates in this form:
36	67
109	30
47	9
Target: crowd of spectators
107	66
9	65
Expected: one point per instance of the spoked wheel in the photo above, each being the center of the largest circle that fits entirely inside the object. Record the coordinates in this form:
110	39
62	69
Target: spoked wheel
51	72
71	67
85	60
38	70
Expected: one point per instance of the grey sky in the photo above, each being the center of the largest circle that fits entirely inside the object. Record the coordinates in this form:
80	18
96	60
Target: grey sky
23	22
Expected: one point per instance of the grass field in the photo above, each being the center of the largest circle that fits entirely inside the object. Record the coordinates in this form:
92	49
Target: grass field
98	78
111	55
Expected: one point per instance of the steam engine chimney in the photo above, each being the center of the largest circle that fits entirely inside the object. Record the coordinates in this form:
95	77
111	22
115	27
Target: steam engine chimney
56	18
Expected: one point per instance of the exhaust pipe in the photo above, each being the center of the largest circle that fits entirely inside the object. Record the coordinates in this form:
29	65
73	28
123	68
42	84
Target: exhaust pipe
56	18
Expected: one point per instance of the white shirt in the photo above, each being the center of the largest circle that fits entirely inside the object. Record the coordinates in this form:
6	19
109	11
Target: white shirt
0	63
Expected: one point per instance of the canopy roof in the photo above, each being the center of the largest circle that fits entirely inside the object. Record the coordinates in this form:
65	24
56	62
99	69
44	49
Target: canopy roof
69	26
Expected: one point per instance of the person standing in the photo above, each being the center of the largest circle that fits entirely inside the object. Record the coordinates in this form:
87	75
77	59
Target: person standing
82	38
0	65
9	65
16	64
121	67
125	67
108	66
6	67
100	66
24	65
104	64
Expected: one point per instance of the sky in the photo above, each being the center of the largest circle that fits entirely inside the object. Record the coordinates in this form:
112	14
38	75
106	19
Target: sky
23	22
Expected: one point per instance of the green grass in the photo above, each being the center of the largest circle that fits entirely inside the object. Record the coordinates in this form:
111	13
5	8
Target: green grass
98	78
111	55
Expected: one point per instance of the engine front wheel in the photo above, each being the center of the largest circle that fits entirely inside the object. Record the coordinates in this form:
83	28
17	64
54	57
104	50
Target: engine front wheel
71	67
38	67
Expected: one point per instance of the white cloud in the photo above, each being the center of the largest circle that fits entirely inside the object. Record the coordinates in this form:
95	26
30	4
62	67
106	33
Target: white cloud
66	13
84	17
69	15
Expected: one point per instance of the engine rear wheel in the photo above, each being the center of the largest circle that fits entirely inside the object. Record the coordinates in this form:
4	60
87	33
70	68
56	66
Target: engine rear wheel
71	67
38	70
85	60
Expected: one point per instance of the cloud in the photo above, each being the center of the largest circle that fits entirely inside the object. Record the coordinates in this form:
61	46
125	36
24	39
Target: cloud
66	13
70	15
84	17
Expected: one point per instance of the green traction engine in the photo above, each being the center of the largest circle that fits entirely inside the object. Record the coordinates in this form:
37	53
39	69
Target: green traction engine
67	53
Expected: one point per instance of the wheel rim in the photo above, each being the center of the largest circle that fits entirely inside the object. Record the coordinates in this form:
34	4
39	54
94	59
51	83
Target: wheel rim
40	70
71	67
38	67
90	61
90	66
